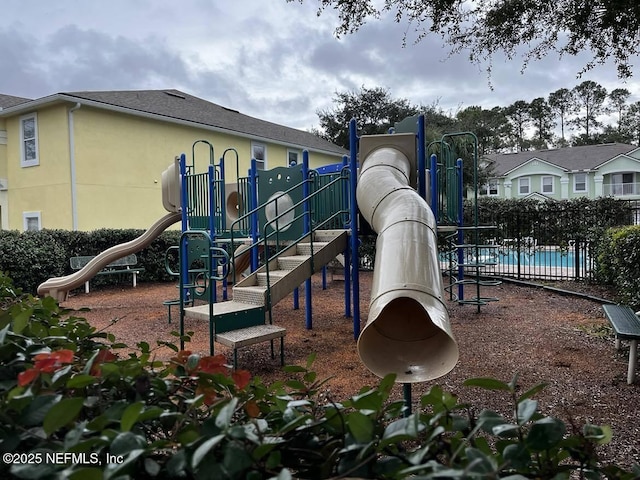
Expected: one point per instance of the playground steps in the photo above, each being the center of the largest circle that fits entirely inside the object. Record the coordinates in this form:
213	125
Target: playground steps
242	321
293	266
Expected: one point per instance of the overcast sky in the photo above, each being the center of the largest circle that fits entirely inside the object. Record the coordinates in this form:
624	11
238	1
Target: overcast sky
280	64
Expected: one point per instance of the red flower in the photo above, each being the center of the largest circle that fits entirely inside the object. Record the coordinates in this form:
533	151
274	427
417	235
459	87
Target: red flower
45	363
28	376
214	364
241	378
103	356
182	357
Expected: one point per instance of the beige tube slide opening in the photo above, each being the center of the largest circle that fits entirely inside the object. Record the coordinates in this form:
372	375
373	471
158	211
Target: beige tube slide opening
408	331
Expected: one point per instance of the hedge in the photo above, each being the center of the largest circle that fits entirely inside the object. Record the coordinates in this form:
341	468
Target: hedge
30	258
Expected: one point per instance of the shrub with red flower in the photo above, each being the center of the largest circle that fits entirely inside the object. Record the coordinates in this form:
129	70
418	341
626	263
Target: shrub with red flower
103	356
212	364
45	363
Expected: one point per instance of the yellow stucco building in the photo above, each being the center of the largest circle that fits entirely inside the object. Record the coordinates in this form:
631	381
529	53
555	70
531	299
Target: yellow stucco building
90	160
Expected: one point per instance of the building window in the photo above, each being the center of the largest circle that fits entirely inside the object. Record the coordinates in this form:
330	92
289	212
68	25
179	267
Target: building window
524	185
31	221
490	188
579	182
547	184
29	140
259	153
292	157
622	184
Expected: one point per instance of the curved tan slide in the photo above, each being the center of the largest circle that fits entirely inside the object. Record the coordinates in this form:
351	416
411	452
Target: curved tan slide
59	287
408	331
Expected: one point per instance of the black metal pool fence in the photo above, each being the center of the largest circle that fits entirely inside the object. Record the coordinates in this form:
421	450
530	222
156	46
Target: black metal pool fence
542	240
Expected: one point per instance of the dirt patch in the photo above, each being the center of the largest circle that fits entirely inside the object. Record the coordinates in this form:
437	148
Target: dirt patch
542	336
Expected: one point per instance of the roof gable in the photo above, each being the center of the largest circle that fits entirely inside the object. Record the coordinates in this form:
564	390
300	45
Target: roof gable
585	157
177	106
534	161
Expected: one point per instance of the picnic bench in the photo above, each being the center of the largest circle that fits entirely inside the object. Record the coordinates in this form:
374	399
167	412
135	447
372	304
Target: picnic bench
626	326
123	265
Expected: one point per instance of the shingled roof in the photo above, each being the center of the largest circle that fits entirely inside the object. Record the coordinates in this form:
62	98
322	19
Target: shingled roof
585	157
177	106
7	101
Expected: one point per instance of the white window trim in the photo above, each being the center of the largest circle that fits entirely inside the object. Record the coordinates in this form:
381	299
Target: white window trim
23	161
28	215
553	184
528	179
586	182
298	155
259	162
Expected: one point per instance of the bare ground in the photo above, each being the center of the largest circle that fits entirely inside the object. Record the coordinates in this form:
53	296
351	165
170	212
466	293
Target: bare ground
543	336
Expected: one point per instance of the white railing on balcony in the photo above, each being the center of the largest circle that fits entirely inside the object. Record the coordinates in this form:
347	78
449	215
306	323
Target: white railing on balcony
621	189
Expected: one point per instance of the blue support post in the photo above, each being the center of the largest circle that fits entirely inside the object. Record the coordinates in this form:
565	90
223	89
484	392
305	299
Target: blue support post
347	257
296	298
355	273
422	158
308	314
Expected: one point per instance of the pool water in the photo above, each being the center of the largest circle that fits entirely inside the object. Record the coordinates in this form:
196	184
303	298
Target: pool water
536	258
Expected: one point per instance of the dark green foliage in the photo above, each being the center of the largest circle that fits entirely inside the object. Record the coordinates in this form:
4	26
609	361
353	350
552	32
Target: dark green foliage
554	223
33	257
192	417
618	262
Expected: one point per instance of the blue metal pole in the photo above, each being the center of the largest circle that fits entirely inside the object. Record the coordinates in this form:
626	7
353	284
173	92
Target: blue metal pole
307	229
355	273
347	257
422	158
253	184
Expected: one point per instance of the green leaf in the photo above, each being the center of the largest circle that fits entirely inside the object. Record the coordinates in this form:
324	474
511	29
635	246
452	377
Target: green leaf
601	434
532	391
36	411
126	442
130	416
62	413
204	448
21	320
526	409
81	381
361	427
545	433
487	384
310	359
517	455
223	419
489	419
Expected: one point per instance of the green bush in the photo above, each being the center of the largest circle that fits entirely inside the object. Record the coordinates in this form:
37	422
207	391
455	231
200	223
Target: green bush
618	262
33	257
72	407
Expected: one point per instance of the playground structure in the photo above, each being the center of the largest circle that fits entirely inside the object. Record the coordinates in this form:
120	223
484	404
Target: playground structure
266	234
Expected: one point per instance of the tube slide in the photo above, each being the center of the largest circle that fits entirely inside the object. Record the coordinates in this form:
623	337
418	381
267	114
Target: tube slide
408	331
59	287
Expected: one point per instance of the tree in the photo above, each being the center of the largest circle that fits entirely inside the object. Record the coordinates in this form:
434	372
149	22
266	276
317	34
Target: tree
590	97
607	28
518	117
632	122
489	126
542	118
373	108
562	104
618	99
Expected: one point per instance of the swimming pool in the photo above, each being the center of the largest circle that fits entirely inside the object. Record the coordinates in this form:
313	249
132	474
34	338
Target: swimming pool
541	257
